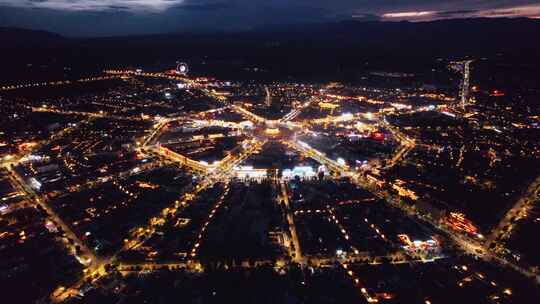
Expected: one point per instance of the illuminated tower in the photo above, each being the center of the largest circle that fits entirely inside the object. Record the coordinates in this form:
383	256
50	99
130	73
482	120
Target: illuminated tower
268	96
465	83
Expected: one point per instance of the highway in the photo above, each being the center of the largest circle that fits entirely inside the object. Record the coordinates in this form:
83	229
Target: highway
88	256
55	83
209	218
295	112
227	165
249	115
400	154
518	211
335	119
155	133
283	196
194	266
308	151
100	114
179	159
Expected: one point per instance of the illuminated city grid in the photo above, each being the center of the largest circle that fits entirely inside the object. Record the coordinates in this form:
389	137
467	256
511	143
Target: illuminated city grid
167	171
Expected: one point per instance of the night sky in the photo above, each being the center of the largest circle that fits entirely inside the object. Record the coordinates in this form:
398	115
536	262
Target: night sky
126	17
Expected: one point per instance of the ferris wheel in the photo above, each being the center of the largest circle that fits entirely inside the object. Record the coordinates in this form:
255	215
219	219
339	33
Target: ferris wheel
182	68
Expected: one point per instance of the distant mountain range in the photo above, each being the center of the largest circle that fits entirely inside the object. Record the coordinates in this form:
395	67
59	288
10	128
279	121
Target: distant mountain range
460	35
338	45
16	37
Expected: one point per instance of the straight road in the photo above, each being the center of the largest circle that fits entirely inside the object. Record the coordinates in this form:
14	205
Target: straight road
284	197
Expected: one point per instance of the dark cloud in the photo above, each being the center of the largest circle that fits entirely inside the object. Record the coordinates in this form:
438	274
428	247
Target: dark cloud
113	17
116	7
500	13
205	6
363	17
458	13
